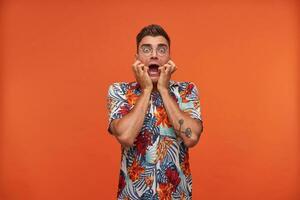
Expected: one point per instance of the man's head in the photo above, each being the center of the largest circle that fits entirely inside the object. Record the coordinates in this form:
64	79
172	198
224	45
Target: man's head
153	49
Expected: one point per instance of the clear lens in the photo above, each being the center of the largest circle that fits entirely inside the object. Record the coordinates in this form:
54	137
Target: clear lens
161	51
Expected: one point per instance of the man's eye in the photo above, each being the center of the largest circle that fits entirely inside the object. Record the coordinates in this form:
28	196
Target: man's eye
146	50
162	50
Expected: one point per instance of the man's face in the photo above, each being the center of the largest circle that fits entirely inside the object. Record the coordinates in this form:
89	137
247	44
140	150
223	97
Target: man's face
153	52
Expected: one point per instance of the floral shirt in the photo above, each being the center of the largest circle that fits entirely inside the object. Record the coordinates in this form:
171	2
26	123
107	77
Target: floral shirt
157	165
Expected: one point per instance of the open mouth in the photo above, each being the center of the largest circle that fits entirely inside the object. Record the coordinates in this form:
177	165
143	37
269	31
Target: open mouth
153	70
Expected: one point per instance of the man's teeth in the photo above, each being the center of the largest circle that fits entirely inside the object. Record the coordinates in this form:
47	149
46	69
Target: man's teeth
153	72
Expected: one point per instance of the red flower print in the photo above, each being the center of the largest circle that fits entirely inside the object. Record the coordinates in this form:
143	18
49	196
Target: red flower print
189	89
185	166
131	97
173	177
124	110
122	184
143	140
186	92
162	117
165	191
133	85
135	170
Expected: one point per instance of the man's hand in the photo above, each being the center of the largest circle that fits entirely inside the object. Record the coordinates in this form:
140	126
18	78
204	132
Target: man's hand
142	76
165	75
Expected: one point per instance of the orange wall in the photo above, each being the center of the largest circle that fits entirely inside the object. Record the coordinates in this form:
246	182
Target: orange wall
58	58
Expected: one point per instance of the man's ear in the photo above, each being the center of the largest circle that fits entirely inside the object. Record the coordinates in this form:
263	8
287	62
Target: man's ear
136	56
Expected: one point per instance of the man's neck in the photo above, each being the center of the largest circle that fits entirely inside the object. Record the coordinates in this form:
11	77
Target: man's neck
154	87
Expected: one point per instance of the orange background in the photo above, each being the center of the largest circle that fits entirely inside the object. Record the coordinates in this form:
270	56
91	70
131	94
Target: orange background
58	58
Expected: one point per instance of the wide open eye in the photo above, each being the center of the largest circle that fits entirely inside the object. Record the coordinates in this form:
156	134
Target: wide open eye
146	49
162	50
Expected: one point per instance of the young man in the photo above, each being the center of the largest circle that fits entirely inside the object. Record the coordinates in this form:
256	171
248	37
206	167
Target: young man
156	120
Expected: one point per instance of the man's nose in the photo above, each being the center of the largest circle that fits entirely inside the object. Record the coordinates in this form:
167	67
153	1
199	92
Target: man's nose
154	54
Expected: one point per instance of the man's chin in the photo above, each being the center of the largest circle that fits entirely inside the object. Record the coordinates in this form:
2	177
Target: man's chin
154	79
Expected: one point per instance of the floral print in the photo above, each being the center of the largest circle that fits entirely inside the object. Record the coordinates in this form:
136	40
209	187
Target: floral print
135	170
162	117
162	148
157	166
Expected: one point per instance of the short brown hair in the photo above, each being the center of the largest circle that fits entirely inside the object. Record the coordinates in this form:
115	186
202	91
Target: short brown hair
152	30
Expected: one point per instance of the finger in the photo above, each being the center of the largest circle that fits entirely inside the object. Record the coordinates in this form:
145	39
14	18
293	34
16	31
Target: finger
134	68
171	62
175	68
136	62
162	69
146	70
141	65
166	66
134	65
174	65
140	69
169	68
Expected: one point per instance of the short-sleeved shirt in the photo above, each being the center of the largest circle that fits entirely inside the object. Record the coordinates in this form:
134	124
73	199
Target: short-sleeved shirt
157	165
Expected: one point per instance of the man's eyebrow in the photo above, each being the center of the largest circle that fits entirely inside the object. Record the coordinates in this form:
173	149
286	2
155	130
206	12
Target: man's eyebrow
146	45
159	45
162	45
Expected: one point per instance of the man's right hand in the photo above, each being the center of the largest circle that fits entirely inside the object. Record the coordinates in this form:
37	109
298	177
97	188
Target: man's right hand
142	76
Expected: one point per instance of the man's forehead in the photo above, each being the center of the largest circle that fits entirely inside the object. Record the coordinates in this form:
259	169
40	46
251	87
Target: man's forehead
154	41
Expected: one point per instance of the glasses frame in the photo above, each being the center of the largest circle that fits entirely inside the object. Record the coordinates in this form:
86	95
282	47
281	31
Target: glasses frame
152	50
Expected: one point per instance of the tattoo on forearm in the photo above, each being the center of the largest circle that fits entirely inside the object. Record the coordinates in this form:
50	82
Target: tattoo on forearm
187	132
180	123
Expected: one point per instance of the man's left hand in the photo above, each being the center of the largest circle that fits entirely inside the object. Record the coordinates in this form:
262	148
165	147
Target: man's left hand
165	75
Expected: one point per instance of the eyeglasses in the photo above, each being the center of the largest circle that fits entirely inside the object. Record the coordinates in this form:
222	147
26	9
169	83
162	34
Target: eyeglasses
160	50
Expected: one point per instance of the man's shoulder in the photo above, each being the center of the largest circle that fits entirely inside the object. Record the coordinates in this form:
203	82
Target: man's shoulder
181	84
123	86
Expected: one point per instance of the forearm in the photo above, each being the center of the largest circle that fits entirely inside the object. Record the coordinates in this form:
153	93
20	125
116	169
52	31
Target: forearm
187	128
129	126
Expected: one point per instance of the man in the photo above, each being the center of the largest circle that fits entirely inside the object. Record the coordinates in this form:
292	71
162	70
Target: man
156	120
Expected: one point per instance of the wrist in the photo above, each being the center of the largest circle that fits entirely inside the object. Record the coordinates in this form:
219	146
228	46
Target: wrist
163	90
147	91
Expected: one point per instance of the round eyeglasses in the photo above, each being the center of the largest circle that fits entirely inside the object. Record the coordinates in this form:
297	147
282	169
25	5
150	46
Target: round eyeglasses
161	50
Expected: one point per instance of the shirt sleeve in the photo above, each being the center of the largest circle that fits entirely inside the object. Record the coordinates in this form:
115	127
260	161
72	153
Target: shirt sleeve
190	101
117	105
